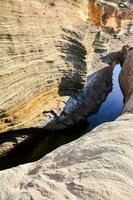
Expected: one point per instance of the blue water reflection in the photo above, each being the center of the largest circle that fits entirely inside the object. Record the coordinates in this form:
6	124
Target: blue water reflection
111	108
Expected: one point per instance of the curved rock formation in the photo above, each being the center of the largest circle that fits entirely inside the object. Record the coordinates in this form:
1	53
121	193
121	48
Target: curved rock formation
96	166
46	54
46	49
43	58
26	145
42	48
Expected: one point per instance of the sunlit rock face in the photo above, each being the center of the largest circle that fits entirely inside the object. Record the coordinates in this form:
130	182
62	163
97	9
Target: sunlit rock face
45	48
42	55
113	16
95	12
42	62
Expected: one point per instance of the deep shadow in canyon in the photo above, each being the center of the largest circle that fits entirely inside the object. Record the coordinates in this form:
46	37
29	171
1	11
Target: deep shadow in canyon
41	141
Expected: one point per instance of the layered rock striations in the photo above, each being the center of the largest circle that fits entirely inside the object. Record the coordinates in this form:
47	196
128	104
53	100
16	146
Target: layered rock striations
41	48
45	57
101	42
44	46
46	53
96	166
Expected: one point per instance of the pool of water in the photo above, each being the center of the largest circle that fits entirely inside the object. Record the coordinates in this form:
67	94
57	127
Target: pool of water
41	142
111	108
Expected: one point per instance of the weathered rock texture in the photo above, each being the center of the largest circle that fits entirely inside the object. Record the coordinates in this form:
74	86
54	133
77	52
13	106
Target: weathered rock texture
83	103
44	50
41	47
98	166
101	42
26	145
46	54
112	15
44	47
126	79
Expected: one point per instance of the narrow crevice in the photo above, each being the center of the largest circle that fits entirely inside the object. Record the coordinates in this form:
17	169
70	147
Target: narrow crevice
39	141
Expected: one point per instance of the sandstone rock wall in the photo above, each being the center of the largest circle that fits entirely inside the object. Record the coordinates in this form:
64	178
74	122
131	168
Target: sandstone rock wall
42	59
41	49
44	50
96	166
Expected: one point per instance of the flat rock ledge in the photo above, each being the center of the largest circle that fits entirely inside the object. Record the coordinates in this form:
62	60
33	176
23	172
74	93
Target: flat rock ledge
97	166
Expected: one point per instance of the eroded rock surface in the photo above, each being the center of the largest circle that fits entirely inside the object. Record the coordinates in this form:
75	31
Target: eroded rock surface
112	16
101	42
46	55
28	145
96	166
42	62
41	48
126	79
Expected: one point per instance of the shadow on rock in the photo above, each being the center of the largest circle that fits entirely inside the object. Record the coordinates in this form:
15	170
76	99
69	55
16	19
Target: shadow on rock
37	142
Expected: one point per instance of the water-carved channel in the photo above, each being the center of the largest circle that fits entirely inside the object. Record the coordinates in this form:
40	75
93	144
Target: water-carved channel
41	142
111	108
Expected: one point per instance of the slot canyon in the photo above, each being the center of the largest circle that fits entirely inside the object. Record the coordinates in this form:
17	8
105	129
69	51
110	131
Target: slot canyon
66	99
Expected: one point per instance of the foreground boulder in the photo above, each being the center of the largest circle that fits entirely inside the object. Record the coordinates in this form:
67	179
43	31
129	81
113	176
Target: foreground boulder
97	166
